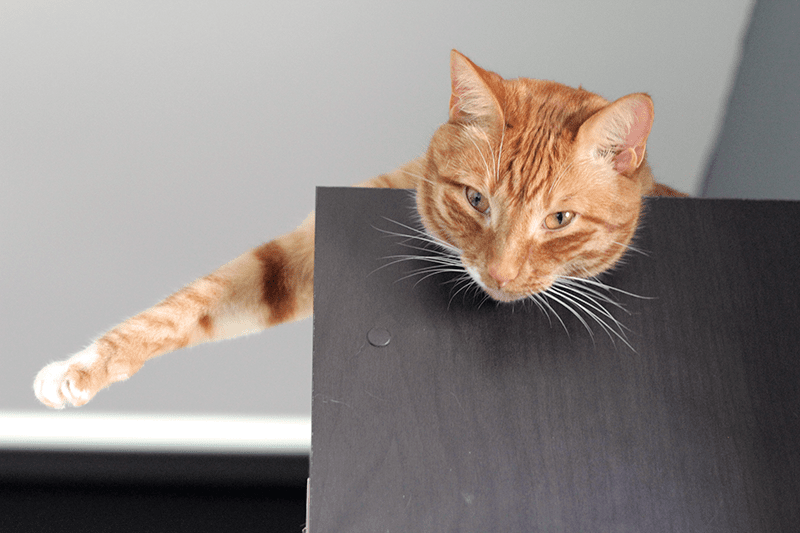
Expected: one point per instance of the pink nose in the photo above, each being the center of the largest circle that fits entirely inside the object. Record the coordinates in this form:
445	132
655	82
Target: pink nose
503	273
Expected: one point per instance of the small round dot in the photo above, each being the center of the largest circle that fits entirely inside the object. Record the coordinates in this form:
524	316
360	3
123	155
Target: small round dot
379	337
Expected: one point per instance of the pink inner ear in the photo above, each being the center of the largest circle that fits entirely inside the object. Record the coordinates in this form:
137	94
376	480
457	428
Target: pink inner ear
624	162
631	154
640	129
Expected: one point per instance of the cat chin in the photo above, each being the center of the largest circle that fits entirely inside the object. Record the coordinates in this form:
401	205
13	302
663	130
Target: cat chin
502	296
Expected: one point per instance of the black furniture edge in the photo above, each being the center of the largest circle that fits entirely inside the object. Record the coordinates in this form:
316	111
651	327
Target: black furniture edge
154	468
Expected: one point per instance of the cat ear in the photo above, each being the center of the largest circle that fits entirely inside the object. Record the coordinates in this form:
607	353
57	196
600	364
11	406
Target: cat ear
472	98
620	132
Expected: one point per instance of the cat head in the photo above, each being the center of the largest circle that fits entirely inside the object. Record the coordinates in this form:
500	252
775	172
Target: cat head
531	181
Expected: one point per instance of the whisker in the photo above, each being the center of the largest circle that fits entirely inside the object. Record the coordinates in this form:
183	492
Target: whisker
417	176
423	235
470	132
500	150
584	298
429	259
438	256
632	248
485	163
420	236
464	278
559	298
466	282
577	287
594	281
533	298
560	175
543	304
428	275
439	259
587	307
591	308
484	299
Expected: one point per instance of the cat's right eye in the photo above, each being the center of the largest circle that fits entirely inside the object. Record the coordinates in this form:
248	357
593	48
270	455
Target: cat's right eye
559	220
477	200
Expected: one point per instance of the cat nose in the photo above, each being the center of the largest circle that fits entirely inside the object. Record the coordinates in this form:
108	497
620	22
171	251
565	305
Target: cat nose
503	273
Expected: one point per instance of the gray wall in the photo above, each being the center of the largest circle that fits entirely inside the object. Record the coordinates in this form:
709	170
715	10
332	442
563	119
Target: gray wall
758	149
144	143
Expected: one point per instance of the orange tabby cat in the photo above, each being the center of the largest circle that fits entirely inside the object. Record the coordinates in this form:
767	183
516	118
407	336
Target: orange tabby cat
528	183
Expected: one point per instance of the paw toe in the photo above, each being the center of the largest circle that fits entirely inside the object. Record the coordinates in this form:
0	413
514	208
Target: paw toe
56	386
48	385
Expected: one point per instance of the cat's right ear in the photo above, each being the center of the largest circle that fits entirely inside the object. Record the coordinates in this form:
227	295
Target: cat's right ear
473	98
620	132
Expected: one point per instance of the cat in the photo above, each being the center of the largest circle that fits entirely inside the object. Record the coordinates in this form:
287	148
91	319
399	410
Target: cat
529	182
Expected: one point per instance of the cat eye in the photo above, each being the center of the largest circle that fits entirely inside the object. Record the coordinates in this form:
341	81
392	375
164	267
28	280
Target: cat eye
559	220
477	200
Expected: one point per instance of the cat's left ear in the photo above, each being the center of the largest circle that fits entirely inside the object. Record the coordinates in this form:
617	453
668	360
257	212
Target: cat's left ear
474	95
620	132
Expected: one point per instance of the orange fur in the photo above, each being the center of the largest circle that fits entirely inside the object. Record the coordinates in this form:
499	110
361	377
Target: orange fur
528	151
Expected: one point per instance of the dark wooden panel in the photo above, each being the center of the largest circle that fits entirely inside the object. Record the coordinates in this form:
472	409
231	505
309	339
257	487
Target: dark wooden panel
485	417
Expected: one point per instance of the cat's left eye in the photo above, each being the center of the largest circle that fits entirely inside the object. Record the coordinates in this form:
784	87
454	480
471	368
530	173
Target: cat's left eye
477	200
559	220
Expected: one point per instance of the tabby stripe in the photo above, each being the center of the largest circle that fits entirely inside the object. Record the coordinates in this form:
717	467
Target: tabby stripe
383	181
570	243
276	289
450	181
461	220
206	324
163	321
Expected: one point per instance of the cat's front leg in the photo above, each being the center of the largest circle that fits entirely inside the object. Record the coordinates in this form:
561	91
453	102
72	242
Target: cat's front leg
180	320
264	287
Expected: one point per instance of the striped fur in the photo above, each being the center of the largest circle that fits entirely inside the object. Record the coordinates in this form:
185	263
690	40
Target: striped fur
533	148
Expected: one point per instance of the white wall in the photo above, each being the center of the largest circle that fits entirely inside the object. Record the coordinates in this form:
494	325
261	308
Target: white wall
144	143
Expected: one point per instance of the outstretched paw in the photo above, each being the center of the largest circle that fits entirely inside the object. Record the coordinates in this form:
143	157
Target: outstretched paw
71	381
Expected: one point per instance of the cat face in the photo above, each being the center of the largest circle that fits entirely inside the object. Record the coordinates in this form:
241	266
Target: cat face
531	182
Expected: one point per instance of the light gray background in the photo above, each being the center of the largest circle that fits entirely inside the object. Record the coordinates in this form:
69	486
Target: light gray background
144	143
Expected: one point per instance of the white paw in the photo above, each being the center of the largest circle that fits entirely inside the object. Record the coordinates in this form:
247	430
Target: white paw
60	383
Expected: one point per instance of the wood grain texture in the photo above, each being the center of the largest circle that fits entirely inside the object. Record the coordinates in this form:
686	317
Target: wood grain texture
483	417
